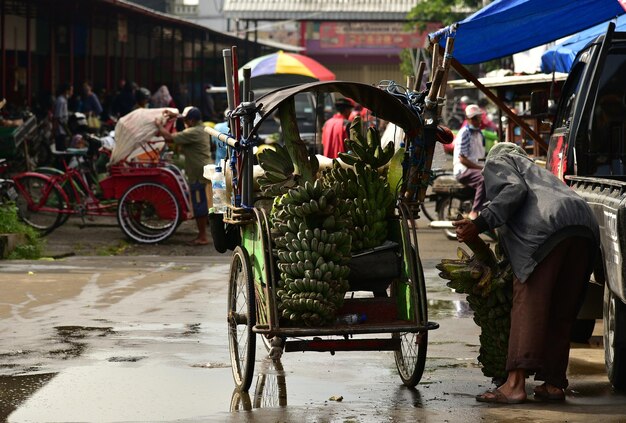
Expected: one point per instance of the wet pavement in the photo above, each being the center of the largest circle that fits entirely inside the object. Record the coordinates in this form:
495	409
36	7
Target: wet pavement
143	338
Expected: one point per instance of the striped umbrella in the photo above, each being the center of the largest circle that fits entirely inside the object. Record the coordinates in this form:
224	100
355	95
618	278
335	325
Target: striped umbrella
282	63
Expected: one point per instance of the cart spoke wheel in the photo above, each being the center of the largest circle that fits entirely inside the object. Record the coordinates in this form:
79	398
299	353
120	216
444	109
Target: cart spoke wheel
449	209
411	354
411	357
148	213
271	387
39	204
241	319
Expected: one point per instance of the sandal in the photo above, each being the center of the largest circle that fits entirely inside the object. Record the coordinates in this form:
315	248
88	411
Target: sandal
494	396
541	393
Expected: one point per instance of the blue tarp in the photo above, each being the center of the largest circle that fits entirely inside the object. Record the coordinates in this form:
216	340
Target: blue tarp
560	57
505	27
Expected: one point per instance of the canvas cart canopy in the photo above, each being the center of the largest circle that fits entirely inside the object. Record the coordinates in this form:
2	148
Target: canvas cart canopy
505	27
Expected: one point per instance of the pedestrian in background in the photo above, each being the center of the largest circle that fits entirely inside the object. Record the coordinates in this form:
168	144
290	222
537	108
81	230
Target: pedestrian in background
162	98
550	236
195	144
335	130
61	116
469	149
91	106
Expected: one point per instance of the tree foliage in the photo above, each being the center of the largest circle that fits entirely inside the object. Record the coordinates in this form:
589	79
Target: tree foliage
444	11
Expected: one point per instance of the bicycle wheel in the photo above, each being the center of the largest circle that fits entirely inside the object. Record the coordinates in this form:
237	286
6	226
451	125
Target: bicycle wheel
411	357
241	319
429	207
40	203
449	209
148	213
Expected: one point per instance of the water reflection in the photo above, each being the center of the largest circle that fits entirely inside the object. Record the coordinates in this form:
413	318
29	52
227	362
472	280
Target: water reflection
270	389
449	308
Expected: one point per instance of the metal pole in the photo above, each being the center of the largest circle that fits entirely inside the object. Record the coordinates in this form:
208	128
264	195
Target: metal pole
247	182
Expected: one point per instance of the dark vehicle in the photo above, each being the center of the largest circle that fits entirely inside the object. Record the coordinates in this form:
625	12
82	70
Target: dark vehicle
312	110
588	151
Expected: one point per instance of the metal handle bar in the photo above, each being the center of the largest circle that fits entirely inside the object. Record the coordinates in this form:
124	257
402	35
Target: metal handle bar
232	142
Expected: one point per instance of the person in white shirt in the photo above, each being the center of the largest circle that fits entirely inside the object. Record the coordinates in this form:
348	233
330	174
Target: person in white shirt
469	149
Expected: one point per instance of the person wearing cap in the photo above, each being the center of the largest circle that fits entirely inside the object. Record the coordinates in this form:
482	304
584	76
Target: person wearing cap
550	236
469	149
195	145
335	130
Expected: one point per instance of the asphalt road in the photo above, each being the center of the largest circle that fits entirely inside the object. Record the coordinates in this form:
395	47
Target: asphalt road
141	336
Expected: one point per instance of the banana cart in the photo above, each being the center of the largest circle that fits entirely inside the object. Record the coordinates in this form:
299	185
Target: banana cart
396	313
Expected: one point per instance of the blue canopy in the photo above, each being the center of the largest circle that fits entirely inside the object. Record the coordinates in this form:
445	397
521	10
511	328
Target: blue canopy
560	57
505	27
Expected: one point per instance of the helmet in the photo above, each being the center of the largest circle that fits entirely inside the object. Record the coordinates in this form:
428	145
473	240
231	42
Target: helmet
472	110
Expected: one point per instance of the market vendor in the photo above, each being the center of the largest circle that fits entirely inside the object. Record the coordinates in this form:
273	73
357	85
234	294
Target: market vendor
550	236
196	147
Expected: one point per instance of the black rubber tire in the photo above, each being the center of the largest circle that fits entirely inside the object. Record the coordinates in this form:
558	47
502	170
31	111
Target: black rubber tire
429	208
240	401
448	209
138	213
582	329
615	339
241	319
35	188
411	358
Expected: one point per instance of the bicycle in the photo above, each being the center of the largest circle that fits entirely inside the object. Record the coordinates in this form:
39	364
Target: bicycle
149	199
8	194
46	199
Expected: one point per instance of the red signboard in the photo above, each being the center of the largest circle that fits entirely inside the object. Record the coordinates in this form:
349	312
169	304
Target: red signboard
372	35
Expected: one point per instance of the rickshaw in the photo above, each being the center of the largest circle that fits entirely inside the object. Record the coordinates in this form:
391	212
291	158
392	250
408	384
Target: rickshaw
397	317
149	196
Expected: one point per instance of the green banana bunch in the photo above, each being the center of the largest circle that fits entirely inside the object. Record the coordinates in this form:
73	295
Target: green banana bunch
489	289
365	149
368	202
312	247
278	170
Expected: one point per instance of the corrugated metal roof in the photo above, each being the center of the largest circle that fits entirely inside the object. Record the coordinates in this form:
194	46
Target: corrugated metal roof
320	10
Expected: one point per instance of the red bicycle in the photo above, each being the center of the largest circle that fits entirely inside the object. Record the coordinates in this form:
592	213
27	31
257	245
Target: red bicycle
149	197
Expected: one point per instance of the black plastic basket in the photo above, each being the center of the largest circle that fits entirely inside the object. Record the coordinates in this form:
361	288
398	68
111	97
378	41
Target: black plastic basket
374	269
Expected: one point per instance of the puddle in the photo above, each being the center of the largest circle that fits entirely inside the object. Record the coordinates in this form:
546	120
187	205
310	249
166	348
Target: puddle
15	390
449	308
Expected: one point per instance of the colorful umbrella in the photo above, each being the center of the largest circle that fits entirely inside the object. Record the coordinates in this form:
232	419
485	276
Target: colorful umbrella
282	63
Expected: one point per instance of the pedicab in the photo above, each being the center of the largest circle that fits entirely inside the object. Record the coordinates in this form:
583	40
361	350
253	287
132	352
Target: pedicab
148	195
283	285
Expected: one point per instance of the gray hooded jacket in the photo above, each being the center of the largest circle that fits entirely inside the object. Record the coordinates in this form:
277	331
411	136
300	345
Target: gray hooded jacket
532	208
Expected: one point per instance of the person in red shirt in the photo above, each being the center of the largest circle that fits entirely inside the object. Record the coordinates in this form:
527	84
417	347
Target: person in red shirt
335	130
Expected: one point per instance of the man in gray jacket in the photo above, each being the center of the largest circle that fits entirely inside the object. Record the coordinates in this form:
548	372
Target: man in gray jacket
550	236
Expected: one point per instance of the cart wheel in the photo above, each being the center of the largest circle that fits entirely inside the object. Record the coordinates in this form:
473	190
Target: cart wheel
241	319
271	386
148	213
411	357
35	192
240	401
